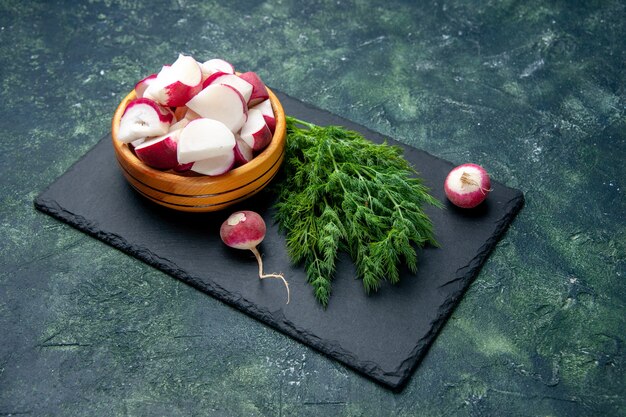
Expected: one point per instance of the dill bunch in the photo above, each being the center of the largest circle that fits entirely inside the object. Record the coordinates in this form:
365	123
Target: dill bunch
342	192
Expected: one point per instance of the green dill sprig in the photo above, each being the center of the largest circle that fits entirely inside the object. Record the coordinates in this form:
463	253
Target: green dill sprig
342	192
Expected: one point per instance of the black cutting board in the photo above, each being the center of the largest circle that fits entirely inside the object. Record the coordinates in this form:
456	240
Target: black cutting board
383	335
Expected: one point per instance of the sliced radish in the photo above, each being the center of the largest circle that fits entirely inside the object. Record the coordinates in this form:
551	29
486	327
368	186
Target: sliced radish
216	165
243	152
142	85
204	138
179	124
159	152
176	84
211	78
183	167
142	118
246	230
137	142
259	92
255	131
265	107
221	102
241	85
215	65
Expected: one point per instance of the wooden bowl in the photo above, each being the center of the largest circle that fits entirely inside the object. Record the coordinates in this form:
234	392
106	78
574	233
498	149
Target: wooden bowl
195	192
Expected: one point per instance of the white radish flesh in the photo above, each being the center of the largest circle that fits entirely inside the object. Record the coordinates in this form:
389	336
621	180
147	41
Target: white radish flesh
255	131
265	107
241	85
142	85
142	118
216	165
204	138
211	78
179	124
136	142
176	84
221	102
215	65
246	230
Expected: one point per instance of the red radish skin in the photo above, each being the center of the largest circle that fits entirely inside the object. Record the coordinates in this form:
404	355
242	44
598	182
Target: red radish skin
243	152
467	185
176	84
183	167
221	102
211	78
159	152
259	91
265	107
167	102
142	85
144	117
241	85
246	230
255	131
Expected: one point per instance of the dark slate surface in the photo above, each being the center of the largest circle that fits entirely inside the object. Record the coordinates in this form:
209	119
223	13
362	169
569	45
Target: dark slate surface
383	336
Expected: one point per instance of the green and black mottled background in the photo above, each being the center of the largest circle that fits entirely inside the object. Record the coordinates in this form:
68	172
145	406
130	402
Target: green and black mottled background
534	91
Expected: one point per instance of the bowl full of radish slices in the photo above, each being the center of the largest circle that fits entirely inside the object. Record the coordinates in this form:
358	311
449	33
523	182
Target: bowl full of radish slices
199	136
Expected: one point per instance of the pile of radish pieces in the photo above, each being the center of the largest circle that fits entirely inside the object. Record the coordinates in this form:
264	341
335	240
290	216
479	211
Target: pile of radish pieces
200	117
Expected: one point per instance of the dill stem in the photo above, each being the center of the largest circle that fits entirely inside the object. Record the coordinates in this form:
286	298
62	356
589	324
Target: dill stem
302	123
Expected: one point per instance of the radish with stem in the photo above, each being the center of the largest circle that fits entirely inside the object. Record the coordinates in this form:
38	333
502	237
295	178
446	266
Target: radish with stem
245	230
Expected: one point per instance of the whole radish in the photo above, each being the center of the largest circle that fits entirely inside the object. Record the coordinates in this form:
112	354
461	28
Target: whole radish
467	185
245	230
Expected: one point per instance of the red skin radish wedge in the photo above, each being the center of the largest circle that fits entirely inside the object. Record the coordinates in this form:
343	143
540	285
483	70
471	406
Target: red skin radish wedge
243	152
217	65
216	165
204	138
142	118
241	85
179	124
255	131
221	102
467	185
183	167
159	152
265	107
211	78
142	85
259	92
246	230
136	143
176	84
